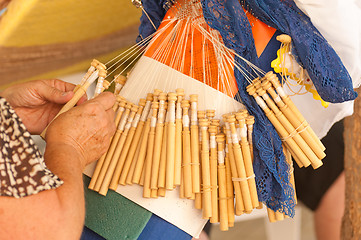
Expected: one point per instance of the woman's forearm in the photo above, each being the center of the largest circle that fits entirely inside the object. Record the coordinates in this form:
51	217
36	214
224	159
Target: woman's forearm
51	214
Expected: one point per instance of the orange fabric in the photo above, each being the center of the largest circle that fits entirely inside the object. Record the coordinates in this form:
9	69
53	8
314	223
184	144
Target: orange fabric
196	56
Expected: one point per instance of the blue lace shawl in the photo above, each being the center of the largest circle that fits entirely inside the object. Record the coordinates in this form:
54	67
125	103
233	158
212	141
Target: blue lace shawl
325	68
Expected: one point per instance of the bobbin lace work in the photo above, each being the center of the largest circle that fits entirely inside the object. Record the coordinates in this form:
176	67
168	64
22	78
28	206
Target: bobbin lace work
22	168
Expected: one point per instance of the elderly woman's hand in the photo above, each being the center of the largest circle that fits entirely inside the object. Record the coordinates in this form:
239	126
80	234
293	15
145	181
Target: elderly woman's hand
37	102
86	128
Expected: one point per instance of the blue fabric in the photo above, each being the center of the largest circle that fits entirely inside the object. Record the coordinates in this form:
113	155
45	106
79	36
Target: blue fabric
311	49
159	229
156	229
270	166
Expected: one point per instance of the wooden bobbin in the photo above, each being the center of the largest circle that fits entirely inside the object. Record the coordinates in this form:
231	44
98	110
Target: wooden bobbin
246	153
229	188
233	168
222	183
128	141
287	100
178	138
171	141
163	155
100	162
121	148
76	97
150	146
194	144
250	123
113	144
206	178
106	85
271	215
198	196
158	141
291	130
187	170
284	38
212	130
295	149
297	124
120	81
240	165
114	156
140	140
102	75
90	71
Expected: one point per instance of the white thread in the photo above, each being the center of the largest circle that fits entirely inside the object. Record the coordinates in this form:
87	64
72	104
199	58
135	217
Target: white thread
136	120
238	133
234	138
194	117
145	111
179	111
122	123
243	132
185	121
120	110
260	102
212	142
221	157
277	99
153	121
118	87
265	96
243	179
93	77
281	92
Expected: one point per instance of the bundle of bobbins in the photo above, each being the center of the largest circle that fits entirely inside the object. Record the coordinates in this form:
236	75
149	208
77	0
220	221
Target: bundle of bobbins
166	141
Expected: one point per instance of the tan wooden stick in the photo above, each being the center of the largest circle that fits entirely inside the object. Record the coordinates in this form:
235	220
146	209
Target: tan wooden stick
129	139
163	158
233	167
213	170
100	162
150	146
158	141
112	147
246	152
198	196
102	75
229	188
171	141
206	178
109	173
266	84
274	80
187	171
178	139
247	201
130	176
222	184
295	149
293	133
194	144
142	146
120	148
271	215
250	122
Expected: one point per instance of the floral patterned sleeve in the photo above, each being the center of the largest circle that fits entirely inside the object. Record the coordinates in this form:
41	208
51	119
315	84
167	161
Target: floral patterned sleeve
22	167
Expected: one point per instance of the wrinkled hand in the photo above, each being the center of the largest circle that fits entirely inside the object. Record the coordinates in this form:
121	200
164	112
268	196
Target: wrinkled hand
37	102
87	128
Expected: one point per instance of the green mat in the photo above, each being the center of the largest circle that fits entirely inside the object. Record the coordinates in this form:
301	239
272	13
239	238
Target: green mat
114	216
